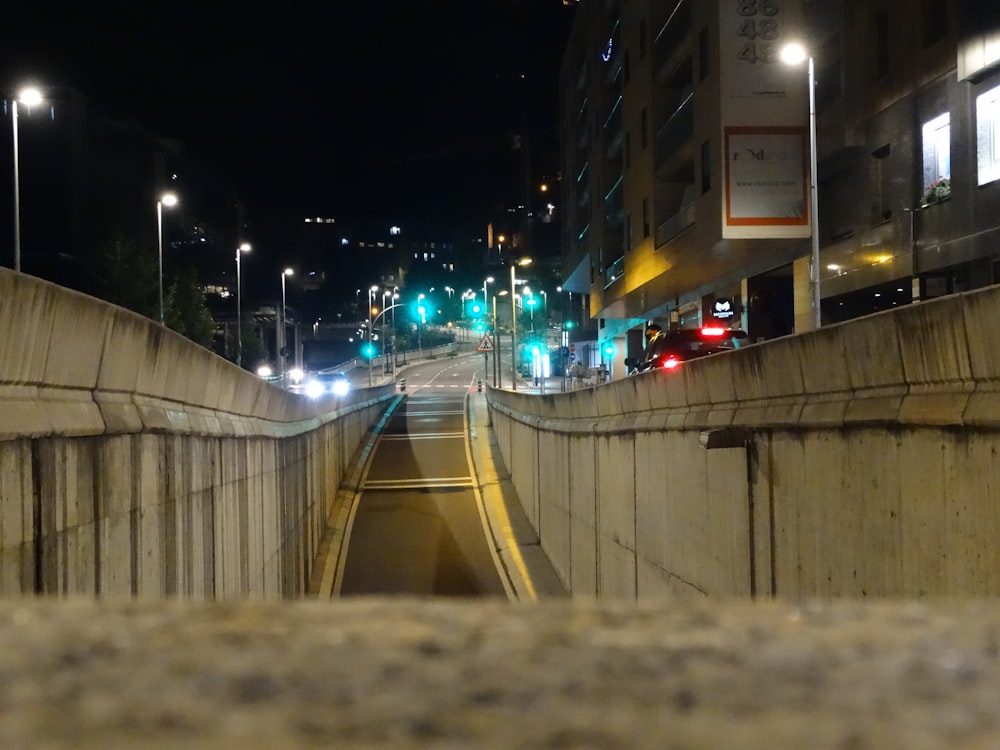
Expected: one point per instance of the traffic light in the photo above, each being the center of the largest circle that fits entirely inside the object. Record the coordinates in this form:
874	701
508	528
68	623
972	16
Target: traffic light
368	350
569	324
608	349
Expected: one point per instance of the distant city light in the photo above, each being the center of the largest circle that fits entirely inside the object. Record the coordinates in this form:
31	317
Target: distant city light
395	230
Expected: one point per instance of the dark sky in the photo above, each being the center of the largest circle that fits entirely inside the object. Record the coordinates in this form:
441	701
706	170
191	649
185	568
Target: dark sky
369	111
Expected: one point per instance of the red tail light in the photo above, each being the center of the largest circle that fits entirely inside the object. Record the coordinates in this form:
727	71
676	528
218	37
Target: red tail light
713	331
671	363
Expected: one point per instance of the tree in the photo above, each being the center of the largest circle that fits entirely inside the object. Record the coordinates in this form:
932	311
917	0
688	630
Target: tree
127	276
185	311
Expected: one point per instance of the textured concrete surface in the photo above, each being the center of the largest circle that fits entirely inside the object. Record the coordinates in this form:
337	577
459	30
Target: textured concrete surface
444	674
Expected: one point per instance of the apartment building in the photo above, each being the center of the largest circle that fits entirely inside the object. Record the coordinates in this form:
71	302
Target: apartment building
687	146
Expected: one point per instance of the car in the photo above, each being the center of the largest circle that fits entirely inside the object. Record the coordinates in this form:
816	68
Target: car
327	383
672	347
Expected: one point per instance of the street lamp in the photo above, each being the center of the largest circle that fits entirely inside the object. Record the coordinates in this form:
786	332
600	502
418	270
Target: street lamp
513	317
29	97
282	342
243	248
371	326
793	54
169	200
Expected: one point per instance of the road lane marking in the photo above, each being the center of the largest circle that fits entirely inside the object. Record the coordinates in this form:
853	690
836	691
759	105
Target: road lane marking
426	436
417	483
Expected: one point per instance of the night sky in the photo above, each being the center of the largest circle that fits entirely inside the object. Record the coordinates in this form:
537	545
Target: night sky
370	112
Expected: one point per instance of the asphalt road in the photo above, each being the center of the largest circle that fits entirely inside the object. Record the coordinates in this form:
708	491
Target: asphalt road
417	526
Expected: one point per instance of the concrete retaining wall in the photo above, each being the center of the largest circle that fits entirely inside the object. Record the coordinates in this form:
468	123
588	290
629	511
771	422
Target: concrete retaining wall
862	462
135	462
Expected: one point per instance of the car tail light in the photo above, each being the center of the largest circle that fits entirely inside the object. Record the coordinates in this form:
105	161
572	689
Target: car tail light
713	332
671	363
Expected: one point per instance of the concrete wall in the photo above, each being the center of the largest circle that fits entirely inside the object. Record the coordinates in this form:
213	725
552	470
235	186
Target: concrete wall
135	462
864	464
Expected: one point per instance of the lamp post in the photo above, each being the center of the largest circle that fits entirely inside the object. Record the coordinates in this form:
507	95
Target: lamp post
420	311
385	362
243	248
282	341
169	200
371	326
29	97
513	317
793	54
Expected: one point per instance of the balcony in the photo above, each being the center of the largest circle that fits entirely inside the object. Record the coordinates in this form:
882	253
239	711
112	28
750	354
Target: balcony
675	224
614	205
676	131
614	272
670	38
613	131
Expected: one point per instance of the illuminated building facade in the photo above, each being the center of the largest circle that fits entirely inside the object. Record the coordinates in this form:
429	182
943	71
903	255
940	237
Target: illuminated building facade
686	149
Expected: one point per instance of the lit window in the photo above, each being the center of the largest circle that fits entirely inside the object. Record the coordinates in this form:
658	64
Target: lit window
937	150
988	135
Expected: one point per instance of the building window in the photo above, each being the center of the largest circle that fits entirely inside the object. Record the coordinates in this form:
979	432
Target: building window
706	168
645	217
937	158
645	128
881	44
988	135
934	19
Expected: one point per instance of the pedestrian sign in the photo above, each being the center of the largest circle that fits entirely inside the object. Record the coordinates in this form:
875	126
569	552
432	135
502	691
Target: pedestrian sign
485	344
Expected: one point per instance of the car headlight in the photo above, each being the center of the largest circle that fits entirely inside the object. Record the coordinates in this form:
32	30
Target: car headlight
314	389
341	388
296	375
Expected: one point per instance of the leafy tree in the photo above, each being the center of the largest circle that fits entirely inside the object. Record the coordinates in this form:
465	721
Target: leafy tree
254	351
127	276
185	311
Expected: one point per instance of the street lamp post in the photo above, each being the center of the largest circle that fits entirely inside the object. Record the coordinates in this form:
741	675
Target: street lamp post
169	200
793	54
513	316
282	341
496	349
371	326
29	97
243	248
420	324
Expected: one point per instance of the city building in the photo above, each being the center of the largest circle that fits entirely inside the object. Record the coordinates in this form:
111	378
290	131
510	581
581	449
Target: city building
686	150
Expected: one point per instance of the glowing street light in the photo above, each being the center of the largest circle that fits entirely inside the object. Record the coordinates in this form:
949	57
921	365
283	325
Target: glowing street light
794	54
243	248
169	200
282	342
29	96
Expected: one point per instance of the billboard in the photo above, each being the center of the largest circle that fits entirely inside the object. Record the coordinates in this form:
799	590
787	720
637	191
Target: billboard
766	177
765	113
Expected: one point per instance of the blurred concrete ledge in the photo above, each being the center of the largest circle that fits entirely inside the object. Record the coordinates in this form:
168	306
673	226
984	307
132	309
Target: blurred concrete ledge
404	673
